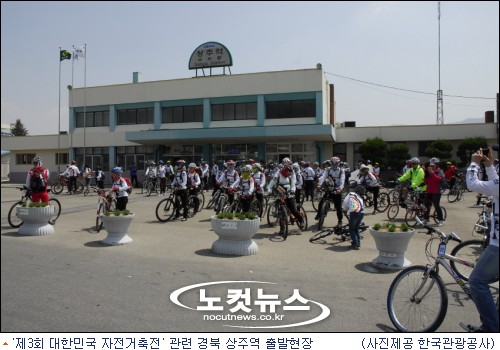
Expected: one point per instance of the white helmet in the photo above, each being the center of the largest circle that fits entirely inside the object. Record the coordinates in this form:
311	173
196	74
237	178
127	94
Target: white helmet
286	160
335	160
192	165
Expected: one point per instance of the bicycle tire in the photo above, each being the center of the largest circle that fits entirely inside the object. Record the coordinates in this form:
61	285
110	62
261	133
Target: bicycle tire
57	210
79	187
325	206
303	213
316	198
149	189
272	215
57	187
256	207
425	314
320	235
220	204
98	219
435	217
14	221
165	210
393	211
86	192
193	205
383	202
469	251
453	195
283	221
410	216
201	199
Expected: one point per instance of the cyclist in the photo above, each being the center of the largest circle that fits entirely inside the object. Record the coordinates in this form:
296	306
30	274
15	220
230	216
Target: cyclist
417	177
205	173
193	183
228	177
161	172
299	182
260	183
334	177
286	179
246	184
450	174
486	268
310	176
36	181
120	187
180	184
353	205
150	173
434	177
370	182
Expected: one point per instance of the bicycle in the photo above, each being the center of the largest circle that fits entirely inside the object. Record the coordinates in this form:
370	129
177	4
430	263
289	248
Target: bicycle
382	202
237	206
58	186
279	214
325	207
150	185
417	300
167	208
15	222
222	200
105	203
342	231
457	191
418	208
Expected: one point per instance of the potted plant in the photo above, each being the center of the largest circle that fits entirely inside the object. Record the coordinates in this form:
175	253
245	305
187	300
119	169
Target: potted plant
35	218
117	224
392	241
235	233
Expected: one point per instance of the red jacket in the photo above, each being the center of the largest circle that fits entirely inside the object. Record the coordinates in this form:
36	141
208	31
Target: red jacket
433	179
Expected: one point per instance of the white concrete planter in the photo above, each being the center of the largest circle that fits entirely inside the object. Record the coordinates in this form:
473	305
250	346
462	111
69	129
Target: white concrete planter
117	228
392	247
35	220
235	236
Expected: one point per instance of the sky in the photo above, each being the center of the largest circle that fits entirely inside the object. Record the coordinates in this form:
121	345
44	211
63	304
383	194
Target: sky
384	58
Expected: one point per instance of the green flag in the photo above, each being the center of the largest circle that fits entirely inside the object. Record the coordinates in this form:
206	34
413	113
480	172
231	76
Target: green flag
64	55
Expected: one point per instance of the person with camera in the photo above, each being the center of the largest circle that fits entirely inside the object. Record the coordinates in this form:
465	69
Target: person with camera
486	269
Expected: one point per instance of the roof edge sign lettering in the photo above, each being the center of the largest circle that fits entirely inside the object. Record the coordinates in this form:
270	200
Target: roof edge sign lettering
210	54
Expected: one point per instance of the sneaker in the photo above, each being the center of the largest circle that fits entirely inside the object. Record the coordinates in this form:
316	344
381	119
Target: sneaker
472	329
374	212
339	224
183	219
440	223
354	246
301	225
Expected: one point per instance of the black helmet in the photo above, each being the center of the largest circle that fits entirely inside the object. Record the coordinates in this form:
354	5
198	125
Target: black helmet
360	190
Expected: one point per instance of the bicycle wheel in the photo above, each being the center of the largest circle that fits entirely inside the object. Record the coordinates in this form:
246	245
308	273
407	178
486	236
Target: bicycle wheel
417	303
98	218
325	206
193	205
283	221
469	251
316	198
272	215
393	211
453	194
256	207
79	187
57	210
165	210
303	213
435	217
14	221
220	204
410	217
393	196
201	200
383	202
57	187
213	200
320	235
149	189
86	191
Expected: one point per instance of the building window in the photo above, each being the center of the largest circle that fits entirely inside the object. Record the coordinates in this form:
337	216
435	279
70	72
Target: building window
63	158
234	111
128	155
100	118
182	114
25	158
136	116
94	157
291	109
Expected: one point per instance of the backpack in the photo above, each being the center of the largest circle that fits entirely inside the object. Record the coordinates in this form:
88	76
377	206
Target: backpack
38	183
129	184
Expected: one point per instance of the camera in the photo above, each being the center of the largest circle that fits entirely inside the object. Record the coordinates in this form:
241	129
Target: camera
486	151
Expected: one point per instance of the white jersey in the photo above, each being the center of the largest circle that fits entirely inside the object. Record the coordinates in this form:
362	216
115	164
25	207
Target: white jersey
334	178
489	188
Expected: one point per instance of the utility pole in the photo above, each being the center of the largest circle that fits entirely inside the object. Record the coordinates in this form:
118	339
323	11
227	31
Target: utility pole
440	116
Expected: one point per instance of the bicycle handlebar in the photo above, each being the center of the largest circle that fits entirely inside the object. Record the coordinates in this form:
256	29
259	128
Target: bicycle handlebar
430	230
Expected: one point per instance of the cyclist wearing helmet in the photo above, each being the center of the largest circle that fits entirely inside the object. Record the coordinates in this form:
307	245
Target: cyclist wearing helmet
246	184
193	183
161	172
354	206
434	177
150	173
370	182
120	187
260	183
180	184
450	174
299	182
334	178
417	177
37	180
286	179
310	176
205	173
228	177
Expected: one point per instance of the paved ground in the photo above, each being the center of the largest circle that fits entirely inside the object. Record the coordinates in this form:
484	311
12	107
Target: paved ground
69	282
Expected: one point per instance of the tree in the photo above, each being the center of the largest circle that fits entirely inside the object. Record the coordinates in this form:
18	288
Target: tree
397	155
440	149
18	129
374	150
469	146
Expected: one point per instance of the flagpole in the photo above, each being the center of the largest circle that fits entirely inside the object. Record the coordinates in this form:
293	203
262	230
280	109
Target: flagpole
73	114
59	127
84	104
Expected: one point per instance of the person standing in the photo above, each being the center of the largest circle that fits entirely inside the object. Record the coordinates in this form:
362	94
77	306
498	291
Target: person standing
133	175
486	269
354	206
73	172
99	176
87	174
370	182
120	187
180	185
37	180
434	177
